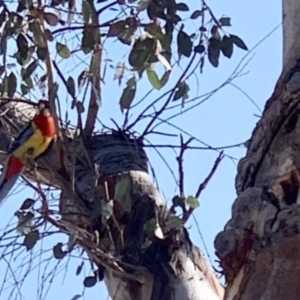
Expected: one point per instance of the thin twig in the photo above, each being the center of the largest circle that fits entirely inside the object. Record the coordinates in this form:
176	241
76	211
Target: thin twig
158	113
95	71
203	185
195	147
183	148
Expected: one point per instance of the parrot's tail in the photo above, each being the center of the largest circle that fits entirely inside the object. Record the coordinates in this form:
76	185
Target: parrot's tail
10	174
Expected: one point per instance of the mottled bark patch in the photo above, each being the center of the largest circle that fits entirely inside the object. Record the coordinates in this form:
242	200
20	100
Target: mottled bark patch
290	189
292	122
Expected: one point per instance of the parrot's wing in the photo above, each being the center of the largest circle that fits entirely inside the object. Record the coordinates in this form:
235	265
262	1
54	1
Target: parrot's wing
22	137
10	174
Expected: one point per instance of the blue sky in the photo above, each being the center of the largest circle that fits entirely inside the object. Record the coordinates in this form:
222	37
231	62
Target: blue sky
228	117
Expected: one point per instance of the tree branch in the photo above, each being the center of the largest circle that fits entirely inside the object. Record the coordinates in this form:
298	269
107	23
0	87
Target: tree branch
95	71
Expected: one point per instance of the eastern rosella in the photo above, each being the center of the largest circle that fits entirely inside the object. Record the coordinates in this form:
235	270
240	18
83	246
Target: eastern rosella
31	143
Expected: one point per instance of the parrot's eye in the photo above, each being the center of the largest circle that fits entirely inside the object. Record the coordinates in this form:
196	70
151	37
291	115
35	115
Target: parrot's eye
41	106
46	112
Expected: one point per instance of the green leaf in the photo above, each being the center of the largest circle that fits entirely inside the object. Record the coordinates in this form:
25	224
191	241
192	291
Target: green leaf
165	78
199	49
184	44
24	89
86	11
82	79
51	19
155	30
182	7
178	201
22	45
143	52
30	69
225	21
150	226
38	35
76	297
88	40
58	253
128	94
192	202
11	85
79	107
238	41
226	46
31	239
90	281
122	194
29	82
181	91
48	35
71	86
23	60
153	78
42	53
174	223
79	268
215	33
62	50
117	28
214	51
107	209
27	203
3	45
127	36
196	14
174	18
121	189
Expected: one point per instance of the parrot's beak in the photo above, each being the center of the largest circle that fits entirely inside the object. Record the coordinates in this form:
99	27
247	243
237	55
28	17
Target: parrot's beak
46	112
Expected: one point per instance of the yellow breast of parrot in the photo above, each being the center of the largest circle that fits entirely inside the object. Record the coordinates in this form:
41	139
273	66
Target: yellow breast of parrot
33	147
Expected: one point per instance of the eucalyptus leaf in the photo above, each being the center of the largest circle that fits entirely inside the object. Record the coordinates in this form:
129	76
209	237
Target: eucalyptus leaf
192	202
128	94
184	44
71	86
30	69
62	50
51	19
86	11
238	41
226	46
153	78
90	281
58	253
31	239
214	48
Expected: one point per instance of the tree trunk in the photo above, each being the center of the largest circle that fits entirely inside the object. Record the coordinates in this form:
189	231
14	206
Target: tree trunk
136	243
159	263
259	246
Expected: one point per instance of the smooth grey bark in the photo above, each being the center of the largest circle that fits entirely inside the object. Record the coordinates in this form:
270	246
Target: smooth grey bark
169	268
115	166
259	246
291	32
